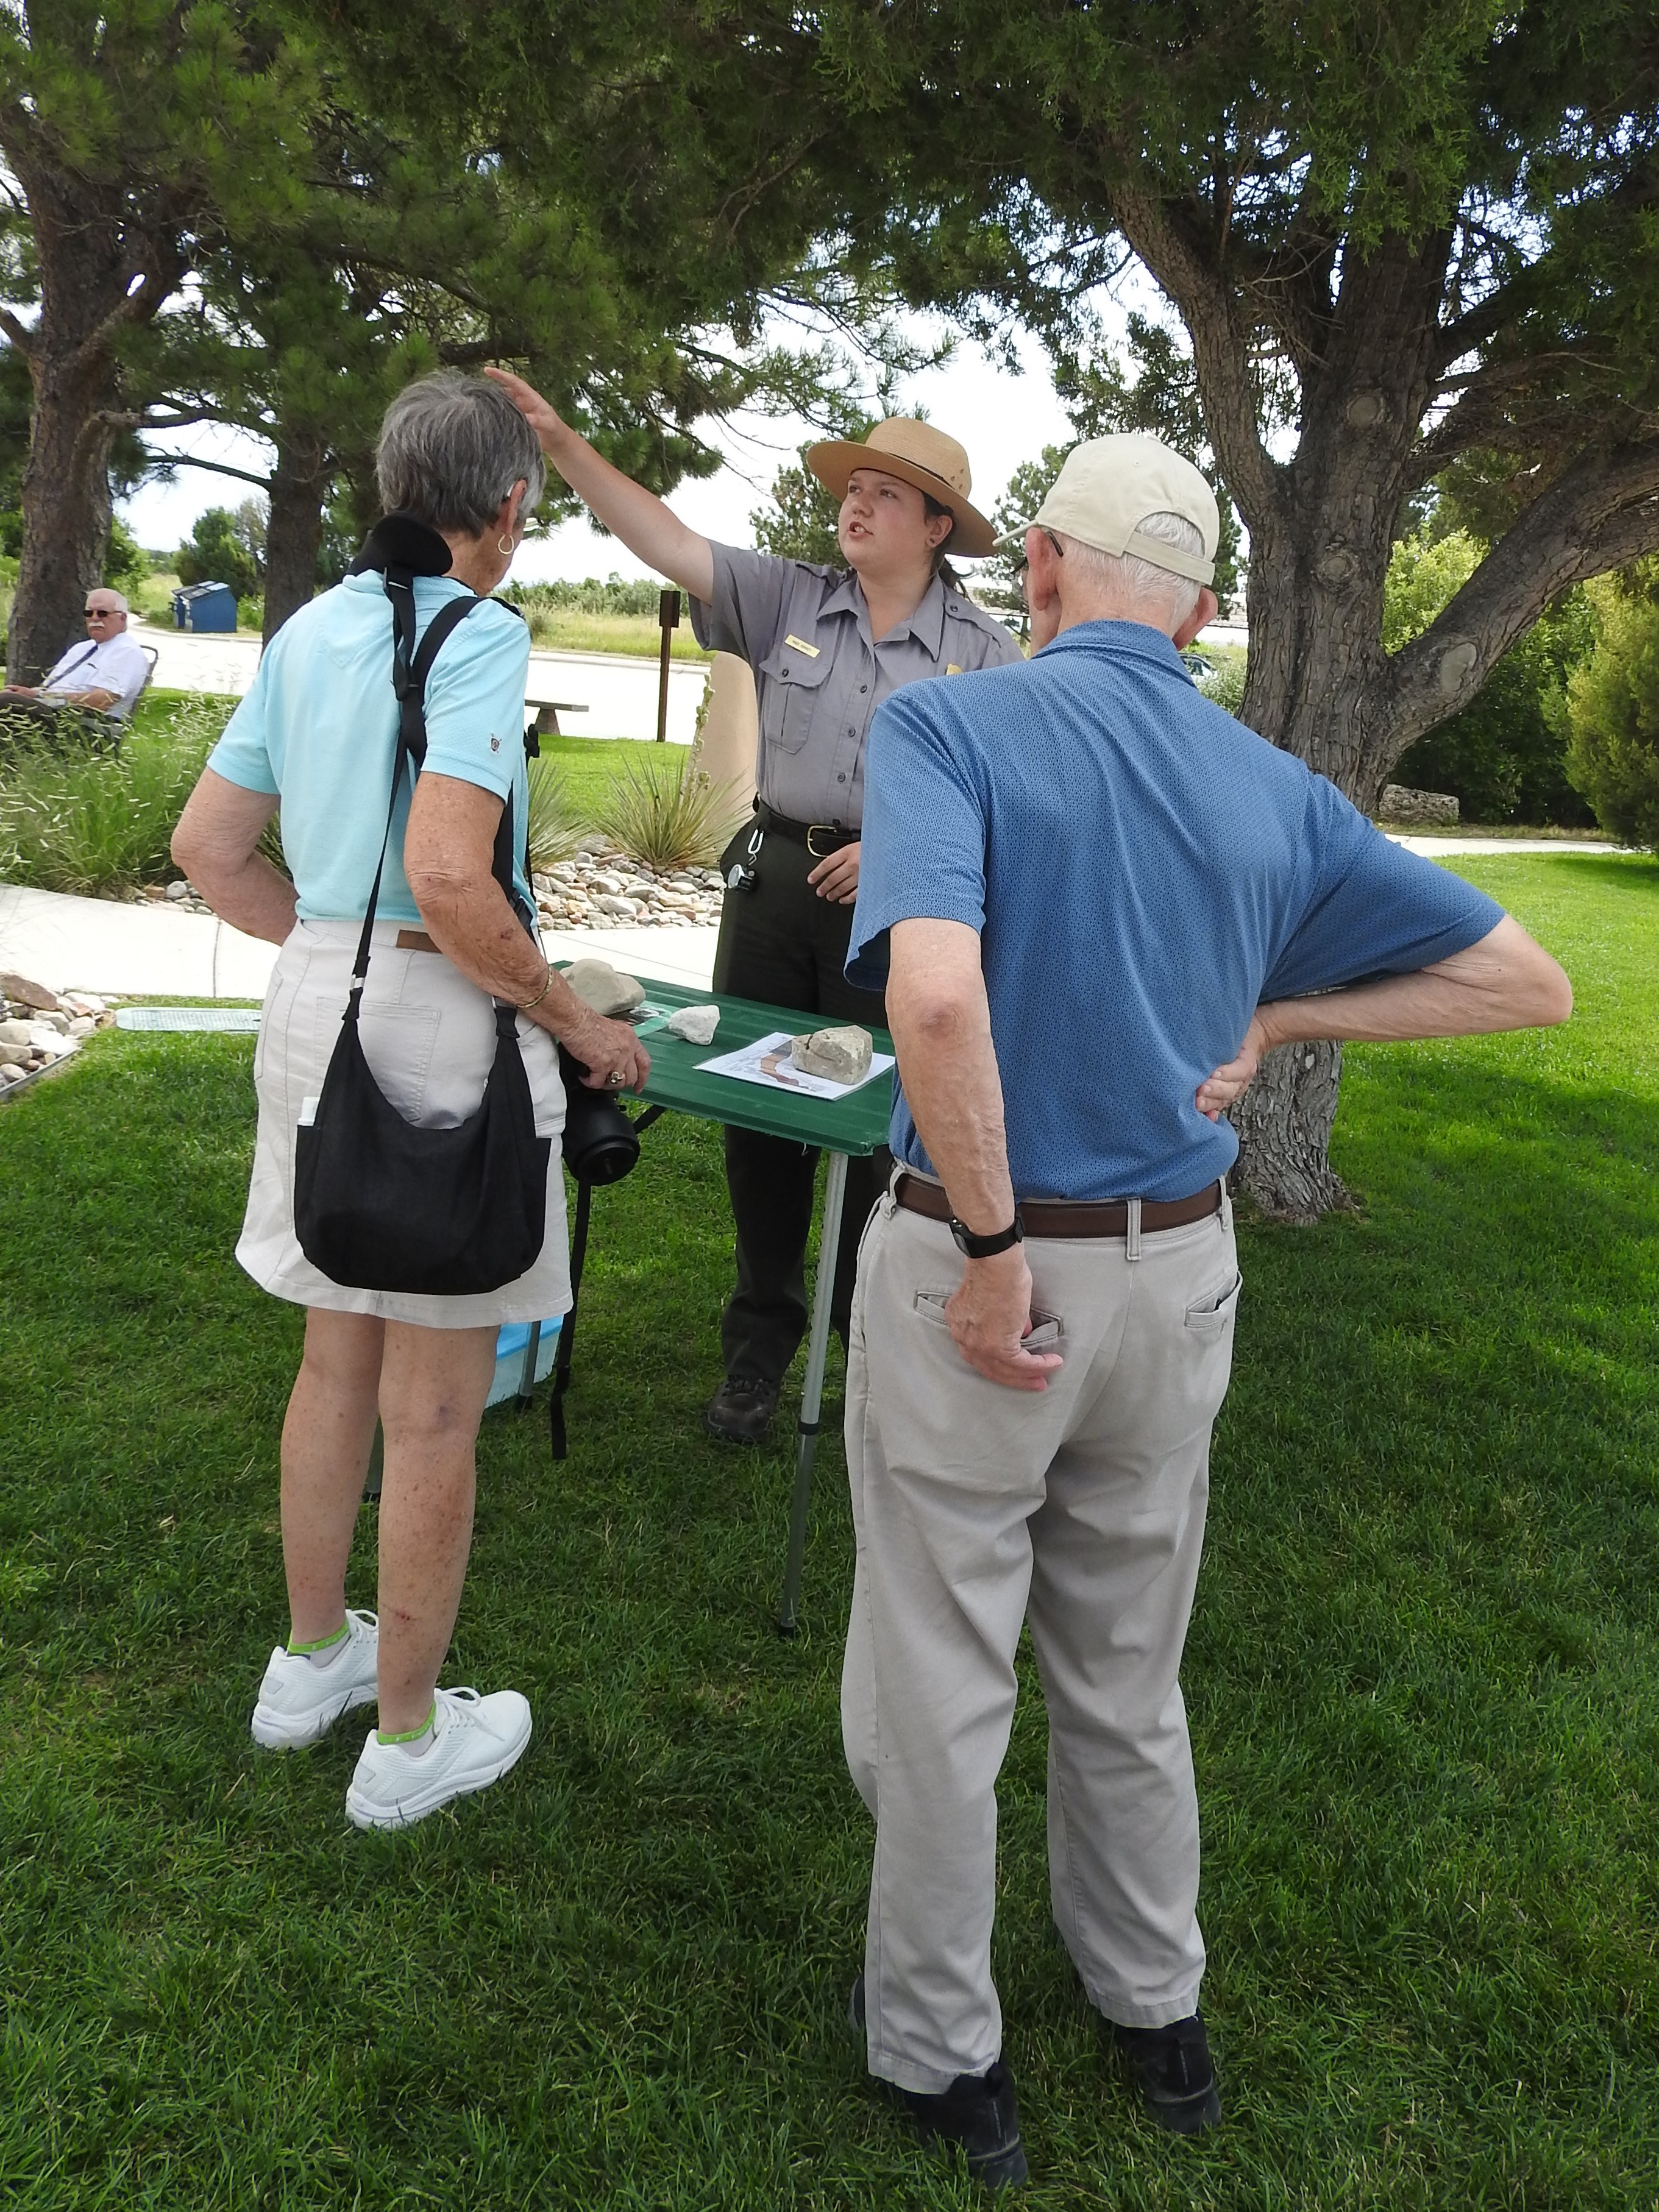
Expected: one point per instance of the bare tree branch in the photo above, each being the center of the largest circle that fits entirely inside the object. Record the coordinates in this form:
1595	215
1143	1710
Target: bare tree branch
1220	350
21	335
1600	511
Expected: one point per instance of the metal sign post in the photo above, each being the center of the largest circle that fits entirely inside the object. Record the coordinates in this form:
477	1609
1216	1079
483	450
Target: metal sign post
668	615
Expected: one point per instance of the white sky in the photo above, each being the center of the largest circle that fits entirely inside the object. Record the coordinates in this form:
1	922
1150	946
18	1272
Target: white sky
1002	420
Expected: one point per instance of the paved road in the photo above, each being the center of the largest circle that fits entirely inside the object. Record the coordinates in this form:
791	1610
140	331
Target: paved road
616	692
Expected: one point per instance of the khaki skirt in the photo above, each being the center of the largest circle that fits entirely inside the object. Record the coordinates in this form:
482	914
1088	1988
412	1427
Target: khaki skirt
430	1039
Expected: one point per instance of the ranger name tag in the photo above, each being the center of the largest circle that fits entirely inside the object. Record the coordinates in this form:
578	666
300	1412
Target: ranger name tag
801	646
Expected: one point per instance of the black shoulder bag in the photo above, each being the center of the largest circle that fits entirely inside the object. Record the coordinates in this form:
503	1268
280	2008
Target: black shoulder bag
379	1205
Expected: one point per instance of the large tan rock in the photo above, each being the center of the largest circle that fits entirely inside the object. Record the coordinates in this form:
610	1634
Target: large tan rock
838	1056
1405	808
28	993
602	986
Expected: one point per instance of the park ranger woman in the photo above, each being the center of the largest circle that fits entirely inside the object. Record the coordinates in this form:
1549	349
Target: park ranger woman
827	646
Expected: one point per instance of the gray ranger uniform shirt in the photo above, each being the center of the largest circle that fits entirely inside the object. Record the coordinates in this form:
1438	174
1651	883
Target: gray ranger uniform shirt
819	675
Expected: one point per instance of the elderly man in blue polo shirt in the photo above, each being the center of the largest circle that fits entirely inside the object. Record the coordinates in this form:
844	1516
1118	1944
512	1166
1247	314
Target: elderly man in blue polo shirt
1106	899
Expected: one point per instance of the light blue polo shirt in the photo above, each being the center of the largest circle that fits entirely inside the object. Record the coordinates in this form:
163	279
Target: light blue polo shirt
319	728
1143	871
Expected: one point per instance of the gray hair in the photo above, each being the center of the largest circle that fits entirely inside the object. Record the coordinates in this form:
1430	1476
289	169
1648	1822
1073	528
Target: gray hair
109	591
452	447
1133	581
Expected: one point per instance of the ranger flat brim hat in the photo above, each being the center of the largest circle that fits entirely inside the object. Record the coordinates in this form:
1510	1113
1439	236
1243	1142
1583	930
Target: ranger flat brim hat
1109	486
916	453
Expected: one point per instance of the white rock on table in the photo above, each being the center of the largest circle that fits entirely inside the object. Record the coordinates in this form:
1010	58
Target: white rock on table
696	1025
13	1056
14	1032
838	1056
600	986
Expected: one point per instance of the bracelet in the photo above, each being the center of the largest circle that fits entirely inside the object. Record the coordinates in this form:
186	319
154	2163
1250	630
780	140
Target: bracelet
547	985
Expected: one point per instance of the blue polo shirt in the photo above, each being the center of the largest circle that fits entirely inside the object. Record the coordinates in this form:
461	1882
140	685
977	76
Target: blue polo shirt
319	728
1143	871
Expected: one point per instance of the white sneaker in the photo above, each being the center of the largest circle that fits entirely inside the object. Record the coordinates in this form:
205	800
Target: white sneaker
299	1702
475	1741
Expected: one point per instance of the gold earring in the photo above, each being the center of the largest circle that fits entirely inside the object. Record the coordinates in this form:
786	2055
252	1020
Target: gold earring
504	545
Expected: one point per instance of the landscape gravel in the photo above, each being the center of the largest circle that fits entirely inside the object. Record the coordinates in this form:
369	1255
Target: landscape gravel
599	888
38	1027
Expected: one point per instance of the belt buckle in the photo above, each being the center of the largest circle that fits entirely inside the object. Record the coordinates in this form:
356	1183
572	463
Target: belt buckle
812	829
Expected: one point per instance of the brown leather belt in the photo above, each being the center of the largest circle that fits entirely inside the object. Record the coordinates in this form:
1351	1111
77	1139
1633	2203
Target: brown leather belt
1063	1217
820	838
415	940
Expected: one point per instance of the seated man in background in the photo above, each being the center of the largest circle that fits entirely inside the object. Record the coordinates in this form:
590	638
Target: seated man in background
102	673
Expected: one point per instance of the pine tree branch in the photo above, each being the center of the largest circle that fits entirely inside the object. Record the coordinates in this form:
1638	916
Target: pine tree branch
21	335
216	468
1195	282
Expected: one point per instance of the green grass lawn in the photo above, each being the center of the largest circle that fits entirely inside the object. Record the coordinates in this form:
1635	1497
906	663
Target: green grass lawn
1424	1679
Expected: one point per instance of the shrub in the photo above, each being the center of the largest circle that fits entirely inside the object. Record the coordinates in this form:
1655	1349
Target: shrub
1613	709
126	564
674	821
92	824
1504	756
1225	681
225	549
538	602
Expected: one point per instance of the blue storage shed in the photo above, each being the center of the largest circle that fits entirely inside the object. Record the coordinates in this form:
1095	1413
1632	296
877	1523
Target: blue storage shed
205	606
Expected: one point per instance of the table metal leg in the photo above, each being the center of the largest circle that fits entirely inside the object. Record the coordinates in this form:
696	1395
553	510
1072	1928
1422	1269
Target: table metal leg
527	1375
812	1393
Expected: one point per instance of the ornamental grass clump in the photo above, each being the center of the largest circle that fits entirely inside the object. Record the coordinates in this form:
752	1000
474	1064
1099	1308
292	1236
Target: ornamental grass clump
556	821
670	820
90	823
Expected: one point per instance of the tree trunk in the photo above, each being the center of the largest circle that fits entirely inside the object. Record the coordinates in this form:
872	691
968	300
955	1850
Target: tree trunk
99	276
66	513
294	531
1284	1123
1322	529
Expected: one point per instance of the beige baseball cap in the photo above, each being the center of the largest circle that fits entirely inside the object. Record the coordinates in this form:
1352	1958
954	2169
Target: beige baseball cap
1107	488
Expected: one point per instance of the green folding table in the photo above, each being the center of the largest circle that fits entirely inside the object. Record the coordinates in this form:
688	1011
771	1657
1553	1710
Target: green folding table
853	1126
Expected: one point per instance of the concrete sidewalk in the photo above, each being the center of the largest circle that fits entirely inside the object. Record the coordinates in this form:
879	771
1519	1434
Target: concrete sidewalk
1450	849
125	951
129	952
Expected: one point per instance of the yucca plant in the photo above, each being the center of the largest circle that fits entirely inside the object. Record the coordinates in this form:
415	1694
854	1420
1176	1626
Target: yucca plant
674	820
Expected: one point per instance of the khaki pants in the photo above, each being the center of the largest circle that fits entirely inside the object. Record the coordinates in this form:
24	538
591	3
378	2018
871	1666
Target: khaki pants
1081	1508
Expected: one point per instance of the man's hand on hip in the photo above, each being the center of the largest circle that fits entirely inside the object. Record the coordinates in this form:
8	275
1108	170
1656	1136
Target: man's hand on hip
990	1317
1229	1083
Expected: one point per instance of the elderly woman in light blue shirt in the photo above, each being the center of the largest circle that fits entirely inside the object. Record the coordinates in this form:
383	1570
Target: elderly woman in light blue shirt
317	735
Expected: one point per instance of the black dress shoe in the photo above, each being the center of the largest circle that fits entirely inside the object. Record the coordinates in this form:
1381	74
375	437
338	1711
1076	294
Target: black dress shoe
1174	2073
740	1412
977	2113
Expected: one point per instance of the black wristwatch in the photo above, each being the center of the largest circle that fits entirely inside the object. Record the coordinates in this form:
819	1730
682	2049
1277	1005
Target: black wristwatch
987	1248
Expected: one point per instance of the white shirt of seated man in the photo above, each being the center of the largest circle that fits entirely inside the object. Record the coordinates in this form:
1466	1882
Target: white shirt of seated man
105	671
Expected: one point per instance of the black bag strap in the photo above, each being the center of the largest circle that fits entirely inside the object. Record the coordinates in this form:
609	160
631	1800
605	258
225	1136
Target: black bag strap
410	666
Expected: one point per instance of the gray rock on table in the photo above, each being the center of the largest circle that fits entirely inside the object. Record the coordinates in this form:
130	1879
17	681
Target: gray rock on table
838	1056
598	985
696	1025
